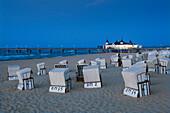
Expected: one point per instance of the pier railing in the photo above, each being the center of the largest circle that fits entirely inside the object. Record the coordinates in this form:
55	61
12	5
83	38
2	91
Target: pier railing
18	50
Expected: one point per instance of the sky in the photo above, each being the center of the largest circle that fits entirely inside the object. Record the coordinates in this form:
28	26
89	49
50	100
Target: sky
83	23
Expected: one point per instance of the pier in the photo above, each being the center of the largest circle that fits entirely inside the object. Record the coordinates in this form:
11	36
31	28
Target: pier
101	50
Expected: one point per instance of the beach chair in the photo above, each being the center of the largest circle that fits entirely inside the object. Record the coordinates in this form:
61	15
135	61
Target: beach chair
80	62
41	68
92	77
164	66
95	62
62	64
143	64
152	64
12	72
126	63
114	60
136	83
80	72
25	79
60	81
103	64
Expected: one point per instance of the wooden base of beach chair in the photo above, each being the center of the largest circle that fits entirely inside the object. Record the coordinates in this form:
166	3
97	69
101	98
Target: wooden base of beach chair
157	68
143	90
163	70
27	84
13	77
42	71
62	89
92	85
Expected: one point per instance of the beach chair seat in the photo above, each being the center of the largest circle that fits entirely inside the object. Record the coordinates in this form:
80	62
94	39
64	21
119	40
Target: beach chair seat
41	68
114	60
136	82
164	67
60	81
126	63
25	79
12	72
80	72
103	64
92	77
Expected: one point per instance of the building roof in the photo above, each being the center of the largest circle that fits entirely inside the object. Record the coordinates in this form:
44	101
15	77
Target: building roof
121	43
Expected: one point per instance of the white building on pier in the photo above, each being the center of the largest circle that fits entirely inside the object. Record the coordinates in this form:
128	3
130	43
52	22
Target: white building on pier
120	45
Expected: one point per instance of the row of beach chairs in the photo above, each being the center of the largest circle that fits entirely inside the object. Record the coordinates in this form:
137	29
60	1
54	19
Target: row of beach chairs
135	75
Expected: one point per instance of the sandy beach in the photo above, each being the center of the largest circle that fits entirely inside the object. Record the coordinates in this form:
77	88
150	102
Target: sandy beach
109	98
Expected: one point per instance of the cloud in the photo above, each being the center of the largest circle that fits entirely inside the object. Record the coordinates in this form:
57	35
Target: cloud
95	3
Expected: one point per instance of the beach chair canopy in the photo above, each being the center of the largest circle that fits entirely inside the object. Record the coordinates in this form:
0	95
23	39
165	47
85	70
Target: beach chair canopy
63	62
23	74
58	76
91	73
81	62
13	69
130	76
140	64
95	62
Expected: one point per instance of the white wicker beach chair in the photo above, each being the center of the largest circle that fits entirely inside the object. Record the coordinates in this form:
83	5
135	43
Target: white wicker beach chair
136	84
92	77
126	63
62	64
12	72
114	60
25	79
41	68
60	80
164	66
103	64
95	62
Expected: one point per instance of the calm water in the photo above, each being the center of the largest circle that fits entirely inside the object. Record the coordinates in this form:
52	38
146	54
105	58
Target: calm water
13	55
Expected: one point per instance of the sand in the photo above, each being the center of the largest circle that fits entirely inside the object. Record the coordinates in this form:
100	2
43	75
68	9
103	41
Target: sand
109	98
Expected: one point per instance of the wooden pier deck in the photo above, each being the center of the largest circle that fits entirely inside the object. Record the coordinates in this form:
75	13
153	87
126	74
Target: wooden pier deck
80	49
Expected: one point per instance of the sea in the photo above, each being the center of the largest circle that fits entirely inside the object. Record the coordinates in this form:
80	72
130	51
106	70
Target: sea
34	54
